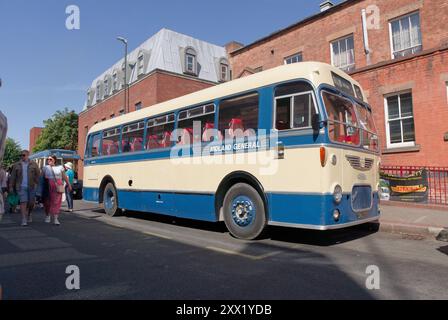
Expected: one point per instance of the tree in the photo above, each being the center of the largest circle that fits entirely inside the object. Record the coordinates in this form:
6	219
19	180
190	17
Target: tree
12	152
60	132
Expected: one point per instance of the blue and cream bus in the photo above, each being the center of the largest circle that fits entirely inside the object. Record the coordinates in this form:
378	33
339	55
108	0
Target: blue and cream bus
307	126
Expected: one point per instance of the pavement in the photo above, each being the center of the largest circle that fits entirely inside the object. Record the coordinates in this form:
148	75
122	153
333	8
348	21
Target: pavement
148	256
420	220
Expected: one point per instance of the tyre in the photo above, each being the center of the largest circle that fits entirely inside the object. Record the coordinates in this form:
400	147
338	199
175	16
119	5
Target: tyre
110	200
244	212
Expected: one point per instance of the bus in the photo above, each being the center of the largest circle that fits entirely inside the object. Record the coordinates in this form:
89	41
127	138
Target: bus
62	157
307	125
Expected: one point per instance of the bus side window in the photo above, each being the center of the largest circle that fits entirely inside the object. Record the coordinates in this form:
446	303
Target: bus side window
111	143
132	137
158	132
294	106
94	145
238	117
203	119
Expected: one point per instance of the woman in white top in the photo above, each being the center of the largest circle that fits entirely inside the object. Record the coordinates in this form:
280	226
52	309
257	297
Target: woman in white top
54	188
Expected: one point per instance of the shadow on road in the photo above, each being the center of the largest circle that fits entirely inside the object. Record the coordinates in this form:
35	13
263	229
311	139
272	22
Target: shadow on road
284	234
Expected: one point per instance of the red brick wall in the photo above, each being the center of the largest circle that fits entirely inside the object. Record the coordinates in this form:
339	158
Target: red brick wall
34	134
157	87
313	39
425	75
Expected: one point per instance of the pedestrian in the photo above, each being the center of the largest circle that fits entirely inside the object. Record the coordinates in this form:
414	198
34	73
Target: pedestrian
23	181
54	184
3	187
69	192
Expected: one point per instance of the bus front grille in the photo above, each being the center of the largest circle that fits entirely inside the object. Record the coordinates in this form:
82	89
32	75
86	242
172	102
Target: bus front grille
361	198
360	164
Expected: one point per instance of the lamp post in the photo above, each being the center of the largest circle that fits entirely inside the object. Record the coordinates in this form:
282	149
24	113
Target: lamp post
126	104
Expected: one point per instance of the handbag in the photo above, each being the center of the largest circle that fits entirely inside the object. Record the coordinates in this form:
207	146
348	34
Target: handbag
59	187
13	199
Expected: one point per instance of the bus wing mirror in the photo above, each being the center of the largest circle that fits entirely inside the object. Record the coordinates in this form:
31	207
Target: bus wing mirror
316	122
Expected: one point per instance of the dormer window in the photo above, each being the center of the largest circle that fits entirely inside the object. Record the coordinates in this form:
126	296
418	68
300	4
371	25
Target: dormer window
190	61
106	87
141	64
89	98
224	70
98	92
115	81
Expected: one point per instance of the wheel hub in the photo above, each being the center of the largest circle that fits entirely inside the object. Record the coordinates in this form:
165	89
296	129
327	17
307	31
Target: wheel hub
243	211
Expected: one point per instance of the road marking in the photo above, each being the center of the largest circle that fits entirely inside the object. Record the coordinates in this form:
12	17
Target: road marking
248	256
419	219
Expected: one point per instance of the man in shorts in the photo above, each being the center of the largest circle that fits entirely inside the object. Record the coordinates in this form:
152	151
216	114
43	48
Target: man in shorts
24	180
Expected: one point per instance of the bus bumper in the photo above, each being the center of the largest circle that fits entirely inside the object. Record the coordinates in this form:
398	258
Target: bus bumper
316	211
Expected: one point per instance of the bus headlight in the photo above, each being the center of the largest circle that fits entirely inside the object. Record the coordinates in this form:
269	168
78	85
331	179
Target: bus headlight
337	194
336	215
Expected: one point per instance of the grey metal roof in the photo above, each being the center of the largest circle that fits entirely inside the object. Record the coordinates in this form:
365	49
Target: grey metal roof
165	52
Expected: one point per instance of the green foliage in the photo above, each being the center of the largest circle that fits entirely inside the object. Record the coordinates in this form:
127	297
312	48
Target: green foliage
12	152
60	132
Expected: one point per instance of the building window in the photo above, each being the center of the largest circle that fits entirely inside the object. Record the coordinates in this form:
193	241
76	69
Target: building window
400	129
138	106
224	70
115	81
406	35
112	116
343	54
106	87
190	61
294	58
121	112
141	64
98	92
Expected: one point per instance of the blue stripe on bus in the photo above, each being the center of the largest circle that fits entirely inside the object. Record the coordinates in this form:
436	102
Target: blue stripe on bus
294	208
288	141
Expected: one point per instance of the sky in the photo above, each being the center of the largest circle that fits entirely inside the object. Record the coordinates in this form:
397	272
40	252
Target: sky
45	67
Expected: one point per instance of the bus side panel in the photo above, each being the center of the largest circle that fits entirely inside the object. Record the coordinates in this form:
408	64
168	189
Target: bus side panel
91	194
191	206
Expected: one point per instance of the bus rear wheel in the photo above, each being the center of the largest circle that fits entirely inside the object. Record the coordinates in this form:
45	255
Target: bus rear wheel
110	200
244	212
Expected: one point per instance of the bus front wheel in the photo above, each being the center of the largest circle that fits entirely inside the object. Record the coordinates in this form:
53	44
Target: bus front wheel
110	200
244	212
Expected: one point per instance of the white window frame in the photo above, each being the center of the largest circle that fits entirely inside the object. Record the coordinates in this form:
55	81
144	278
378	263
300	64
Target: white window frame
141	64
193	63
346	67
391	35
386	114
222	72
98	92
106	87
298	54
115	81
291	108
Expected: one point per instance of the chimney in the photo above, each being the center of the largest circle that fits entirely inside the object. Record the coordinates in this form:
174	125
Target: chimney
233	46
324	6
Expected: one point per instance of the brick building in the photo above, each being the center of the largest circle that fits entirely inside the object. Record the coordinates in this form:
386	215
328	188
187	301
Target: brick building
397	50
166	66
34	134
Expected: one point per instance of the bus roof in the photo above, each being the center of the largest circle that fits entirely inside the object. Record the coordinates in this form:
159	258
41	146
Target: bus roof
317	72
59	153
